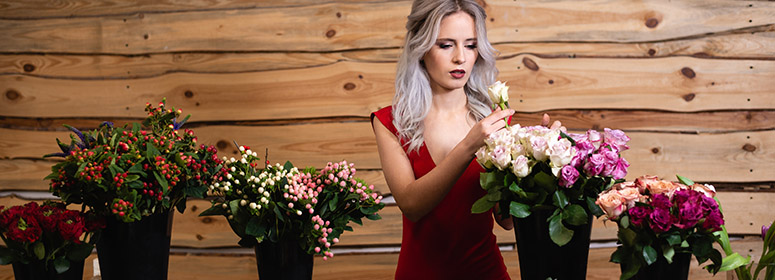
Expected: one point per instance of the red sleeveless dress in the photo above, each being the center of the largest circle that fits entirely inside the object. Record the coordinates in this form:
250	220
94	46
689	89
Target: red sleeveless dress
449	242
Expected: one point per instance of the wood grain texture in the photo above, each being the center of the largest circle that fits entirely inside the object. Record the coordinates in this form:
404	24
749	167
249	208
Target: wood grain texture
356	89
370	266
727	157
744	213
747	44
340	26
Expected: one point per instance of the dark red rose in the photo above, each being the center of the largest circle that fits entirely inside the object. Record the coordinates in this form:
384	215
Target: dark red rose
713	221
9	215
48	217
24	229
639	215
689	214
661	220
72	226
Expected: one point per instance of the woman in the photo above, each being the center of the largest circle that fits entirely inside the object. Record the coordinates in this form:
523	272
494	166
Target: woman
427	140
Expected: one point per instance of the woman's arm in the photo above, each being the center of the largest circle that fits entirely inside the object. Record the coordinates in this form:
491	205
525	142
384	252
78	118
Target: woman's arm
417	197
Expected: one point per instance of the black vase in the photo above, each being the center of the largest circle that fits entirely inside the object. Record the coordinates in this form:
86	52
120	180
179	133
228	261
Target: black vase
283	260
137	250
38	271
540	258
679	269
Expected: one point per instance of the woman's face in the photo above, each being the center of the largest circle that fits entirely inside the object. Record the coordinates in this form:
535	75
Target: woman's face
450	61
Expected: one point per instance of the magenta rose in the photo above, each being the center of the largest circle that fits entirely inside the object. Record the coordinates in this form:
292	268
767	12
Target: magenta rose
568	176
639	215
584	148
594	165
661	201
713	221
689	214
616	138
661	220
708	205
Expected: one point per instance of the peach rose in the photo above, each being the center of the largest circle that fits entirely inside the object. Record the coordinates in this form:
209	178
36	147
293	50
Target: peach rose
612	203
642	182
630	196
707	190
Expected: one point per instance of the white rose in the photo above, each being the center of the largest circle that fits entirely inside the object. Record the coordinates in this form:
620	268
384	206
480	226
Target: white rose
538	147
520	166
499	92
501	157
560	152
482	157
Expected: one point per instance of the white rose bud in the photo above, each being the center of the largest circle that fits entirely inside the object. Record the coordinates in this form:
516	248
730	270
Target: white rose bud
499	92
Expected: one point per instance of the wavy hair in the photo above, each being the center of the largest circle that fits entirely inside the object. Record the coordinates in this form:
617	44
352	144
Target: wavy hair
412	100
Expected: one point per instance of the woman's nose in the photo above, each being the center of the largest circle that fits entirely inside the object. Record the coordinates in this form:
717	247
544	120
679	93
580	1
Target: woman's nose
459	56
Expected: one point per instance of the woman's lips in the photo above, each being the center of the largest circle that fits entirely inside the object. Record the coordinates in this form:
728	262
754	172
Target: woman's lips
458	74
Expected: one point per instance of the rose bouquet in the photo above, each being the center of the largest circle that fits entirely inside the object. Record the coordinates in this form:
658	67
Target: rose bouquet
47	234
535	167
280	202
661	219
136	170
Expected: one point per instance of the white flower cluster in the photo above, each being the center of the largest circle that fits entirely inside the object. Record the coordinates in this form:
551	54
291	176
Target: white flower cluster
519	148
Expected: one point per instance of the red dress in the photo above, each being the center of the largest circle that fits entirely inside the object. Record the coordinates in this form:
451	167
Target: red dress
449	242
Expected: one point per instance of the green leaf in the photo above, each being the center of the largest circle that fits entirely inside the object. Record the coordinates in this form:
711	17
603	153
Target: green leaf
624	221
649	254
279	215
151	151
61	265
162	181
545	181
488	180
702	247
558	232
668	252
213	211
39	250
370	210
332	203
288	165
673	239
517	190
374	217
627	236
6	256
482	205
559	199
575	215
80	252
684	180
255	227
494	196
519	210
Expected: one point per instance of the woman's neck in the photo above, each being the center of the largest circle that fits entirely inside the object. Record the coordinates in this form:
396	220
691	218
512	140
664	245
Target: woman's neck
449	101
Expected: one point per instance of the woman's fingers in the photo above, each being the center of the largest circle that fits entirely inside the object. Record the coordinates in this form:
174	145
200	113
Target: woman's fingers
545	120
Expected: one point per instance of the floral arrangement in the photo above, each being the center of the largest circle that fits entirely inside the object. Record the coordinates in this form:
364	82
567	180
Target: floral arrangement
281	201
46	233
659	219
535	167
134	171
743	267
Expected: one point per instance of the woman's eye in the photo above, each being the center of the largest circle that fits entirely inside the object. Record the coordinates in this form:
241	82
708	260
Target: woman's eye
472	46
445	46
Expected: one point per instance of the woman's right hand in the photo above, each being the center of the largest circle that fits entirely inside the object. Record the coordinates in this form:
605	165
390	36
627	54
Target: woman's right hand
486	126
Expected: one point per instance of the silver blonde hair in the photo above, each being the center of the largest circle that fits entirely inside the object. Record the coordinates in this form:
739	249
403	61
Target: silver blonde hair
413	91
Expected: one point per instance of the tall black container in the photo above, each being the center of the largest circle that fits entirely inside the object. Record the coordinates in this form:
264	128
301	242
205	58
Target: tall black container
283	260
38	271
137	250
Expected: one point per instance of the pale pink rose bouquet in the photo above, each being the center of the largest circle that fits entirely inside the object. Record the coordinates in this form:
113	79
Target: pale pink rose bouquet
534	167
661	219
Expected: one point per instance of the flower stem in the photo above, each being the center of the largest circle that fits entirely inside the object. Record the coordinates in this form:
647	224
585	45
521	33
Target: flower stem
503	107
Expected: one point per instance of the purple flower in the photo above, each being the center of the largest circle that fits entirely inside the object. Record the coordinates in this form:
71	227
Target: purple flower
688	215
639	215
660	201
621	169
765	229
661	220
584	148
616	138
683	196
568	176
611	159
594	165
708	205
713	221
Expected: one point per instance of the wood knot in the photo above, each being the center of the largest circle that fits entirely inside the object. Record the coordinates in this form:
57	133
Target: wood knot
189	94
207	220
689	97
551	82
652	22
29	67
194	208
530	64
199	237
145	36
12	94
222	144
688	72
749	148
655	150
360	76
338	15
748	116
349	86
330	33
652	52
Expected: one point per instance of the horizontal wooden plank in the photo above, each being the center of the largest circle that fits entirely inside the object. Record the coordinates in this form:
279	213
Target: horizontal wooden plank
369	266
356	89
750	44
338	26
728	157
744	212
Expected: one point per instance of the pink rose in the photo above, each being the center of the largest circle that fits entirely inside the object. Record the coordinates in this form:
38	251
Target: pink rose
593	136
594	165
568	176
616	138
620	171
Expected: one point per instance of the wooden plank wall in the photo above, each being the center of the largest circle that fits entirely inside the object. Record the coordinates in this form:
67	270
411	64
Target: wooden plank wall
691	82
